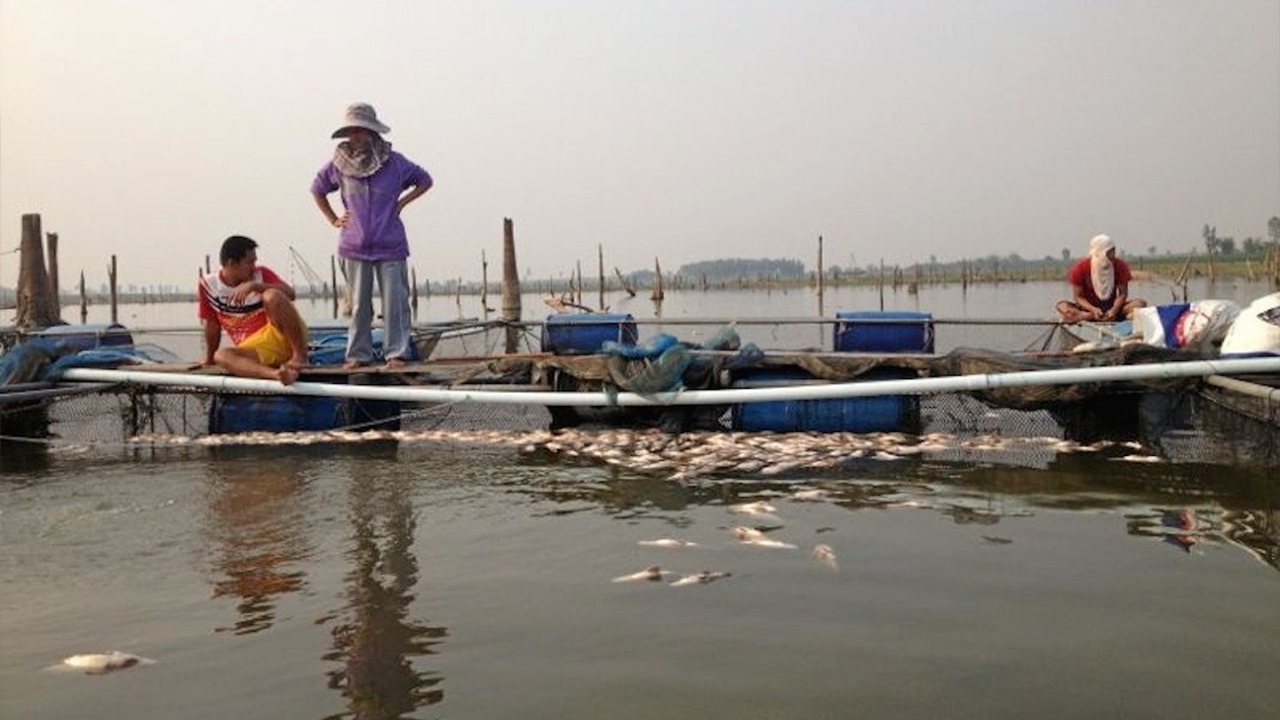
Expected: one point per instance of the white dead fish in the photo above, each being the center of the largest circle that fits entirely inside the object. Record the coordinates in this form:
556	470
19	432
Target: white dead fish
742	532
759	507
765	542
653	573
701	578
1141	458
811	495
825	555
102	663
668	543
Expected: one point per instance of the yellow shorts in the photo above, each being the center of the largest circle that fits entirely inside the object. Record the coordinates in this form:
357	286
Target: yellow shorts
271	345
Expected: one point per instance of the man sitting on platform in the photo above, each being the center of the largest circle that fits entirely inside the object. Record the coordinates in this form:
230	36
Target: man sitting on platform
255	308
1100	286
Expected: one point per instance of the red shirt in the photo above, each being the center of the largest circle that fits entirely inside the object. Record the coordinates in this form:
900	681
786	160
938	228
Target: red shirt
238	320
1080	274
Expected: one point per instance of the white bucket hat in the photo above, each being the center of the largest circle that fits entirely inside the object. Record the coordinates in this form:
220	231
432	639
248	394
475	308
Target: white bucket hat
360	115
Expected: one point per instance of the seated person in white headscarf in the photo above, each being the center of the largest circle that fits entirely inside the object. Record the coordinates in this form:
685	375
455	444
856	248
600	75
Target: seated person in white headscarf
1100	286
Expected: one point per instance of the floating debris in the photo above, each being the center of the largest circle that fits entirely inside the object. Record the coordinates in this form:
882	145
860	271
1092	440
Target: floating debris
997	540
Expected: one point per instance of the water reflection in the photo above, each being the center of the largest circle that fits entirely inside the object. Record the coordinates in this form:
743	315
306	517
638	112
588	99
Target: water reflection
256	529
1238	507
377	641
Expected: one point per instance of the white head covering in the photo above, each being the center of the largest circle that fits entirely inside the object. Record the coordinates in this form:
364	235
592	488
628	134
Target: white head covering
1102	271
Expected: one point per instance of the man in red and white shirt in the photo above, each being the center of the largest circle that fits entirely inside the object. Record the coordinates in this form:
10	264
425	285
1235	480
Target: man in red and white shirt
254	306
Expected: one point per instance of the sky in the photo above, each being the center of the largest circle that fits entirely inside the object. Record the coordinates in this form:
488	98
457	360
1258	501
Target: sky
665	130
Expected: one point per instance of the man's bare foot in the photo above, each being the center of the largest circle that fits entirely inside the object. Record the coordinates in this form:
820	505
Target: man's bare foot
395	363
353	364
287	375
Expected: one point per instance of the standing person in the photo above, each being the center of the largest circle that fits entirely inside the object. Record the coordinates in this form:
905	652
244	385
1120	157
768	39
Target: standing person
372	179
255	308
1100	286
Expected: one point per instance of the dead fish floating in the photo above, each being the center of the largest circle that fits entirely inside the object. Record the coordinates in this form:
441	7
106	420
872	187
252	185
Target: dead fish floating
702	578
653	573
827	556
668	543
811	495
758	507
765	542
102	663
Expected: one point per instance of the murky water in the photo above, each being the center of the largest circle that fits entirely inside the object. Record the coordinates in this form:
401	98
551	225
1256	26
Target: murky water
467	579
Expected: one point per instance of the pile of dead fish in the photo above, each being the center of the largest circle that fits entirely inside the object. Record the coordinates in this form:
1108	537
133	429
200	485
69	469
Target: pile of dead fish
690	455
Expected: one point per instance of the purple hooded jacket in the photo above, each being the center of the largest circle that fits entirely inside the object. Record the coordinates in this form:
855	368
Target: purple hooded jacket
374	231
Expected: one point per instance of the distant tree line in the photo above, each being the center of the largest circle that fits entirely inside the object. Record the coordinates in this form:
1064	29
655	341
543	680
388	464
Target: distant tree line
732	268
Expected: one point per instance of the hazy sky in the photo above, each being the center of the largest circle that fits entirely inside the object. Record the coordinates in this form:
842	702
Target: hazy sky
681	130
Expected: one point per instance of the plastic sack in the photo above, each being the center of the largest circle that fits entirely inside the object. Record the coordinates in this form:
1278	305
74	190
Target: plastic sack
1156	324
1252	333
1205	322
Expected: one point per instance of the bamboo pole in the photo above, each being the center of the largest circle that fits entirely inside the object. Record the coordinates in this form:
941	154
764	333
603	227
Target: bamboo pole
510	287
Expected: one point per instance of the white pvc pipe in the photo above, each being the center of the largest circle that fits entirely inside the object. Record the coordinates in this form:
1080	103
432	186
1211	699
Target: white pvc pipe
872	388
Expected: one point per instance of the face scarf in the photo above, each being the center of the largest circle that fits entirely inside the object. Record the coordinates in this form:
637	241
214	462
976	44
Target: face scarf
361	164
1102	270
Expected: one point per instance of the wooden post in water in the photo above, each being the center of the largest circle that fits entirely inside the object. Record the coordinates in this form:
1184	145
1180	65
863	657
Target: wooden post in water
577	281
51	245
333	278
84	301
822	285
115	296
600	272
484	284
657	281
413	283
882	284
510	287
36	305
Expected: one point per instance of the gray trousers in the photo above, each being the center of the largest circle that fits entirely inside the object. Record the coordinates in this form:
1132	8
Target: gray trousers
392	277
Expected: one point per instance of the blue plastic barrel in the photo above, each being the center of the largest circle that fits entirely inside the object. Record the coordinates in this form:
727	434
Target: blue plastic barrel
86	337
883	332
887	413
584	333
